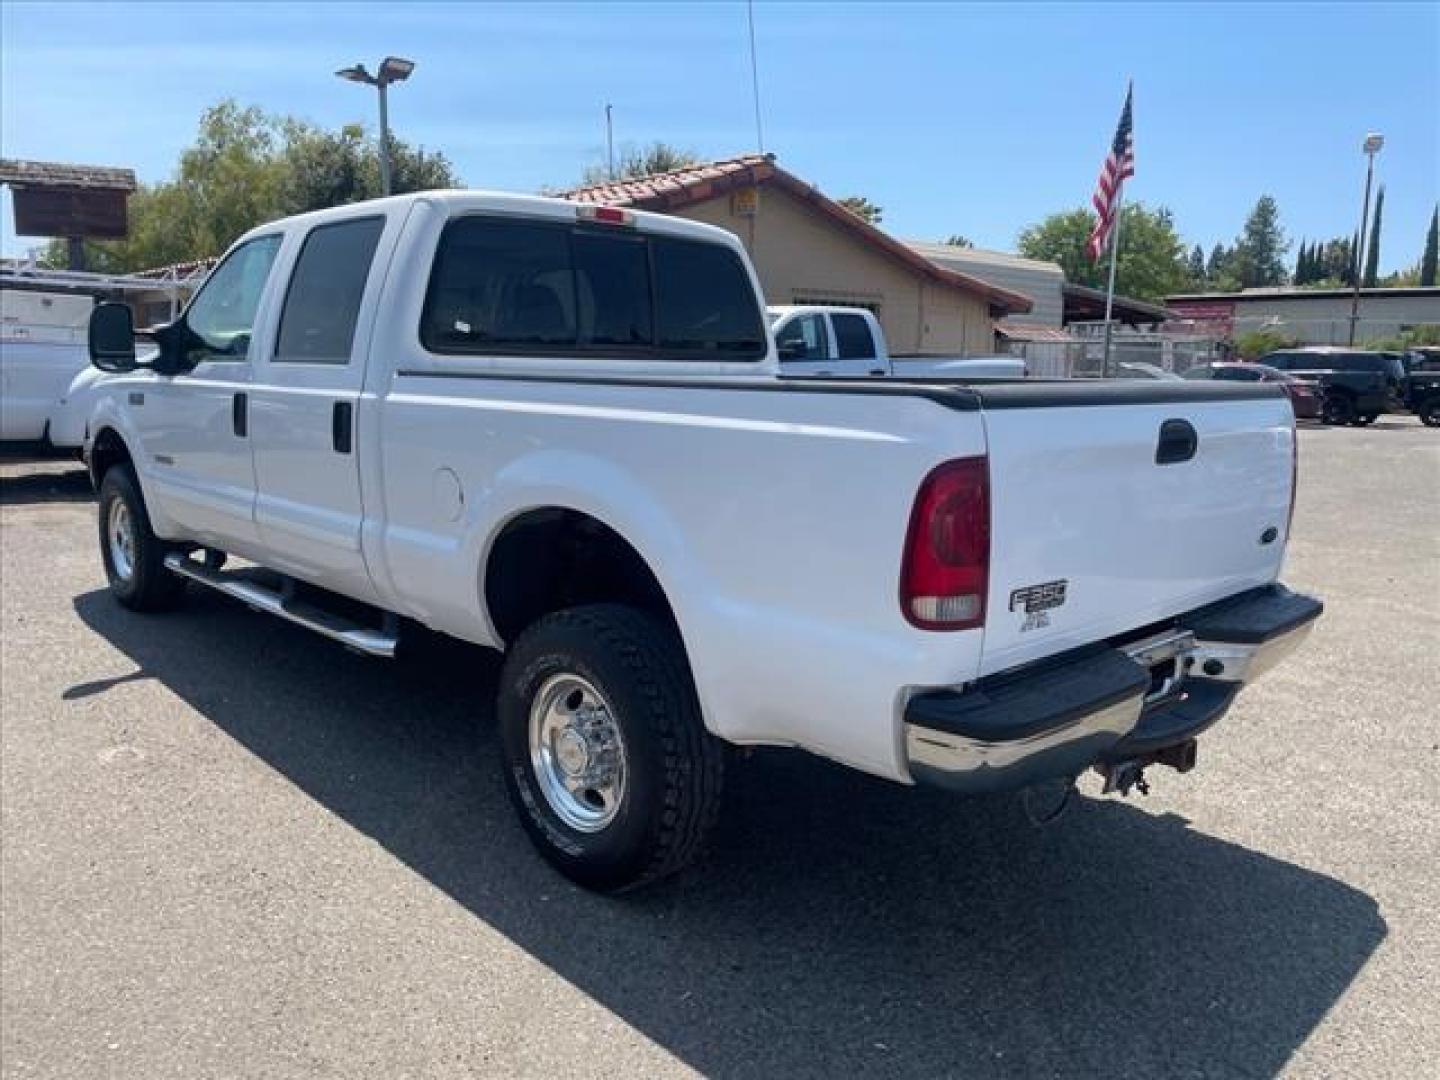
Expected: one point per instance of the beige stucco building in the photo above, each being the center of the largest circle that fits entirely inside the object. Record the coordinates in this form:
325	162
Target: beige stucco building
807	248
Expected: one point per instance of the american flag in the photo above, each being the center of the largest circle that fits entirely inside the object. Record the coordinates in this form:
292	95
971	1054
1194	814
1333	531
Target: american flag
1118	165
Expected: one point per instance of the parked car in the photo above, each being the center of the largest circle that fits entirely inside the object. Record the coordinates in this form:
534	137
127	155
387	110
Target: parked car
1422	384
1304	397
825	340
559	430
1140	369
1356	385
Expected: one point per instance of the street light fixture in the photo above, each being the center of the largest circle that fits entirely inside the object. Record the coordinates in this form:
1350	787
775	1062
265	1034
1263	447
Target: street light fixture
1372	146
393	69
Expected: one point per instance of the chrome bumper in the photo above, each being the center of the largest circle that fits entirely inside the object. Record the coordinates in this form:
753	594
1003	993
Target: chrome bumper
1129	699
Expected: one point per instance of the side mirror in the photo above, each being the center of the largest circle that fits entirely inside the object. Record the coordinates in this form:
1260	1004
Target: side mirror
112	337
791	350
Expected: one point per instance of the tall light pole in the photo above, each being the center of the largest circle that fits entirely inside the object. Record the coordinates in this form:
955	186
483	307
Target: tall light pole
393	69
1373	142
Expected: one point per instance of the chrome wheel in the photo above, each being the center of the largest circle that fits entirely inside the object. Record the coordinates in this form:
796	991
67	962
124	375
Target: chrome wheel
120	533
577	753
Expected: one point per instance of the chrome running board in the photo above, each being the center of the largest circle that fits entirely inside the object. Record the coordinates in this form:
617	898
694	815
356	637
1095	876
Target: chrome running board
328	624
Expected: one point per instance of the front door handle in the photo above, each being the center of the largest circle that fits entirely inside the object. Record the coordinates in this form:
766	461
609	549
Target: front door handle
239	415
341	421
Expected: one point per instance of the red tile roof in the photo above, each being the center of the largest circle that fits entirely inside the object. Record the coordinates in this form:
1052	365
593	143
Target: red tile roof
683	187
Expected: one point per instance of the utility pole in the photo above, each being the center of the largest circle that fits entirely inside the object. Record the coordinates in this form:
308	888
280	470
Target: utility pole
1373	142
609	143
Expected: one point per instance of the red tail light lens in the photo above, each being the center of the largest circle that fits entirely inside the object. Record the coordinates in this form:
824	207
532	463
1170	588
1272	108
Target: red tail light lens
1294	478
946	569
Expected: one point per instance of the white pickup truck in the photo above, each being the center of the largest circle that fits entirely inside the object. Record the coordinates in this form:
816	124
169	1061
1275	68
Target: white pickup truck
814	339
558	430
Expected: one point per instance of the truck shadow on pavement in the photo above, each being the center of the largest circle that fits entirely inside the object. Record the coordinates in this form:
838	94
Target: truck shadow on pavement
839	924
50	485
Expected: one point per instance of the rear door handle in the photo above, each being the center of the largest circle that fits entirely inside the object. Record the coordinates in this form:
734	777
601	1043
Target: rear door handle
341	418
239	415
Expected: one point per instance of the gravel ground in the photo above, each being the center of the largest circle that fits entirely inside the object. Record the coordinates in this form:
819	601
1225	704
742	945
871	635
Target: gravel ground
233	849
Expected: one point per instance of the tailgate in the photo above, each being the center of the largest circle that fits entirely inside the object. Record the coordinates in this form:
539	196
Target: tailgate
1092	536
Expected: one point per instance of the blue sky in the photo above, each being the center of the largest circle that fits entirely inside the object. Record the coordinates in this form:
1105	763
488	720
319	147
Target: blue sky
956	118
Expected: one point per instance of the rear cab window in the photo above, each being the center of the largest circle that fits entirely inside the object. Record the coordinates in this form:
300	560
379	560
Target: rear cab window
502	286
853	339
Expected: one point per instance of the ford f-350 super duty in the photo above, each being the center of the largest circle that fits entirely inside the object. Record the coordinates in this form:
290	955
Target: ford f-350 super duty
560	431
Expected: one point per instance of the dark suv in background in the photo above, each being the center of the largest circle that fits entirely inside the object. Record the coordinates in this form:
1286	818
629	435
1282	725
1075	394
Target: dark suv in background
1358	385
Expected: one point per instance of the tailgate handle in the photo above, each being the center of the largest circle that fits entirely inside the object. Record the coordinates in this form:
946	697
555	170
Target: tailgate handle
1177	442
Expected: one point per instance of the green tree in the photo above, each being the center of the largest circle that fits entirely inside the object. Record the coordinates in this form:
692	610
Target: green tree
1260	248
1219	270
635	162
956	240
1302	265
1196	267
246	167
1153	262
863	208
1372	246
1428	261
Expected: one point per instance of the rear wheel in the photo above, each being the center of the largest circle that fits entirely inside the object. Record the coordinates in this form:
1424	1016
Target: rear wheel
1429	411
1365	419
1339	409
133	555
606	757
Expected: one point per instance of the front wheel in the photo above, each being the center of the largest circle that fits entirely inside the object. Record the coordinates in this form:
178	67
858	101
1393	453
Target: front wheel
1430	411
1365	419
133	555
606	757
1339	409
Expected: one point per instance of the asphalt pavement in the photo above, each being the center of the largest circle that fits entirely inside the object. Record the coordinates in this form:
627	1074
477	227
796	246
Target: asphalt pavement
229	848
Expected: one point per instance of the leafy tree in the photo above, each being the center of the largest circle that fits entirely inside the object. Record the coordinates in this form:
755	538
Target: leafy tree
1153	262
246	167
956	240
1428	261
1372	248
1220	269
863	208
634	163
1196	266
1260	248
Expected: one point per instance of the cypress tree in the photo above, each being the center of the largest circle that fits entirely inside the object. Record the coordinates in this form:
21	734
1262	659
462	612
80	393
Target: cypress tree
1428	268
1302	264
1372	249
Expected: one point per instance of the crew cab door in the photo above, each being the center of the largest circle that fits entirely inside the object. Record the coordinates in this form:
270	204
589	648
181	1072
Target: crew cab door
304	407
192	424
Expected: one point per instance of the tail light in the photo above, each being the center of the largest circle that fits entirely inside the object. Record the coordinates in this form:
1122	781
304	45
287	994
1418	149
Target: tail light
946	569
1294	478
604	215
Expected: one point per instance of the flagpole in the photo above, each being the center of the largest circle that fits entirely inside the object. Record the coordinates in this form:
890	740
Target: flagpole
1110	289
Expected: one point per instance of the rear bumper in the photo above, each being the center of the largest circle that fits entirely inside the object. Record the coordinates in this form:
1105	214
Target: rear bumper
1117	702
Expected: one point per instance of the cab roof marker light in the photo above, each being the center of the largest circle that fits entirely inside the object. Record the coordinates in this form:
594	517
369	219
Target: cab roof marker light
605	215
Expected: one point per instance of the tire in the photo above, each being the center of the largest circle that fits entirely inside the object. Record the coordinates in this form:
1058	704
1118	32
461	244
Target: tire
1429	412
133	555
1365	419
1338	409
644	819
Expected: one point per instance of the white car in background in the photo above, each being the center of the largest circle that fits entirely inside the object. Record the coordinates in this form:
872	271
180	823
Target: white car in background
822	340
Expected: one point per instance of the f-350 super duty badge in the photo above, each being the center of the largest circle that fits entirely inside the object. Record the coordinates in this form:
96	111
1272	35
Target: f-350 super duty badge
1036	601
